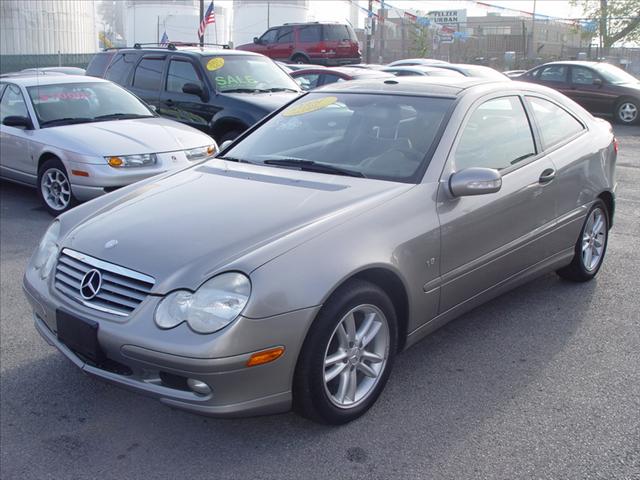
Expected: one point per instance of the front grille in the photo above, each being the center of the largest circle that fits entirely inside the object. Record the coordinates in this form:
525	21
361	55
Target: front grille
120	292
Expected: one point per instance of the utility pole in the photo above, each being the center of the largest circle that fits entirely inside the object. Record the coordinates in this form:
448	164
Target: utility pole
534	50
603	29
201	18
382	15
369	31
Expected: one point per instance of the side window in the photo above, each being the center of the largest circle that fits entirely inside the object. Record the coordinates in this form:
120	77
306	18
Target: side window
553	73
285	35
148	74
330	78
555	123
308	81
582	76
309	34
181	72
12	103
269	36
497	135
120	68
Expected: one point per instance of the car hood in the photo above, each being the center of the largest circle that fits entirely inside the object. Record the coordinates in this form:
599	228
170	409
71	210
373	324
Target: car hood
220	215
267	102
124	137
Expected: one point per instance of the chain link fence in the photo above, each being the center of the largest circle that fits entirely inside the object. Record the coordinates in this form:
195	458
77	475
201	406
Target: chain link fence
14	63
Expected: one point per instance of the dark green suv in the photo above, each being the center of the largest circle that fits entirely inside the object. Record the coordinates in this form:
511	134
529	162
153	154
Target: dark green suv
217	90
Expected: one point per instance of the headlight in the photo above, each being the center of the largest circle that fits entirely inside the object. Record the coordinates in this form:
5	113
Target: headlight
216	304
47	252
130	161
201	152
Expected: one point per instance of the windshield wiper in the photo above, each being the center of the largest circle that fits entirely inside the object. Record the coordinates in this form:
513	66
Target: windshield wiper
234	159
244	90
279	89
311	166
121	116
65	121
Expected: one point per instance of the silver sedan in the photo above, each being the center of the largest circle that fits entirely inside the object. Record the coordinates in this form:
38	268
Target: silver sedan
336	233
76	137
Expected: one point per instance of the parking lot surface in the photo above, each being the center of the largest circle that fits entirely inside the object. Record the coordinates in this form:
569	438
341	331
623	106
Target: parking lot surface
543	382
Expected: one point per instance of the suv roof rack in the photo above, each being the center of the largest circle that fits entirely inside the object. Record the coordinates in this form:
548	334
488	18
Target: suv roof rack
174	45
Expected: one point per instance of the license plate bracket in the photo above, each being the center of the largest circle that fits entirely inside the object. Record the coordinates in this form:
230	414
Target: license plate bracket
80	335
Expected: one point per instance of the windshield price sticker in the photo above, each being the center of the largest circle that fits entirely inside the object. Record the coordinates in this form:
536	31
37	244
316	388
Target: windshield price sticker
215	64
229	81
308	107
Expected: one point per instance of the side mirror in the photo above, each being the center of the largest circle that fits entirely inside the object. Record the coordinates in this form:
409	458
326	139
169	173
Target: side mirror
18	122
193	89
256	40
597	82
225	144
475	181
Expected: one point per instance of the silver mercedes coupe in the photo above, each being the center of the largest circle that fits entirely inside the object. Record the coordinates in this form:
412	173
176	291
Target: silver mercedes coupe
343	228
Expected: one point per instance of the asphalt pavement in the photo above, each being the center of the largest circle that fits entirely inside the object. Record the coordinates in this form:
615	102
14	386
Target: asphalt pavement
543	382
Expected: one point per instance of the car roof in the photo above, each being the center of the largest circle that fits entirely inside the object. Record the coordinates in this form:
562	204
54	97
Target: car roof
415	68
419	86
34	80
191	50
583	63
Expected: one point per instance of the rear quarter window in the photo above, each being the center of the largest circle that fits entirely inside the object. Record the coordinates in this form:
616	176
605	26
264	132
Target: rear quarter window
335	33
120	68
98	64
556	125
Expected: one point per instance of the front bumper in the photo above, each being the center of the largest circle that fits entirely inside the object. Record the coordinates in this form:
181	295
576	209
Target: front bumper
142	362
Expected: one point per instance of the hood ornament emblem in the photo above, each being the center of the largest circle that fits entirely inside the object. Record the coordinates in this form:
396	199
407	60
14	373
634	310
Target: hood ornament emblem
111	243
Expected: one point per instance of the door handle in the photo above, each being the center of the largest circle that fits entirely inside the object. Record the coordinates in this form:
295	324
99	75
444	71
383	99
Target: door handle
548	175
169	102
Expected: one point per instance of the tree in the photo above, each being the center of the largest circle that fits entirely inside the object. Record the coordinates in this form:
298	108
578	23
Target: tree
617	20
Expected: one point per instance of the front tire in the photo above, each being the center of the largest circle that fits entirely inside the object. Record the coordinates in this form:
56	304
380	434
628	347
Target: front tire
54	187
299	59
627	111
347	356
590	247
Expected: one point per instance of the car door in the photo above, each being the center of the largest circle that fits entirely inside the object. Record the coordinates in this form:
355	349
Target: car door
15	161
589	89
148	78
488	238
282	47
265	42
189	108
309	41
555	76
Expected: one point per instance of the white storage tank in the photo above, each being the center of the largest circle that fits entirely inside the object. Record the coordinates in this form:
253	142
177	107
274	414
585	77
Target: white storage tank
251	18
47	27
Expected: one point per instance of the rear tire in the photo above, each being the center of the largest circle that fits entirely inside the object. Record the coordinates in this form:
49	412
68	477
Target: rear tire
230	135
590	247
627	111
347	355
54	187
300	59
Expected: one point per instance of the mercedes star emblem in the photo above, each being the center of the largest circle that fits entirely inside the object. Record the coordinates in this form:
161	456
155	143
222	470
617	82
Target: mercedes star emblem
90	285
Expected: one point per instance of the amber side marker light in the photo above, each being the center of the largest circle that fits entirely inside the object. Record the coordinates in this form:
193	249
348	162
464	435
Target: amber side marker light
265	356
80	173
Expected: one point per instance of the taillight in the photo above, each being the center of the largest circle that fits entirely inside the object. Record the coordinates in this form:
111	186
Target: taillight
615	144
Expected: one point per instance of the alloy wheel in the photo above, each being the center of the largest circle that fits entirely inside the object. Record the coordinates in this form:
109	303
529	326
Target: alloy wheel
56	189
356	356
593	240
628	112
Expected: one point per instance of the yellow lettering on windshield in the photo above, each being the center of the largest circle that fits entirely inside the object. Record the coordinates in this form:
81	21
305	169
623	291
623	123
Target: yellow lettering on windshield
215	64
307	107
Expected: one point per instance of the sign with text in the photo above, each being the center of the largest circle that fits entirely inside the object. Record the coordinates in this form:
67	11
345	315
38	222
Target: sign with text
448	17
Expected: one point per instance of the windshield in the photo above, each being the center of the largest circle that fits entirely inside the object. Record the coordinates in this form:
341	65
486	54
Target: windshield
388	137
240	73
67	103
614	74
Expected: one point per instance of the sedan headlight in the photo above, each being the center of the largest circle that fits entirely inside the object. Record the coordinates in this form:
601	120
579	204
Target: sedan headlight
216	304
47	252
131	161
201	153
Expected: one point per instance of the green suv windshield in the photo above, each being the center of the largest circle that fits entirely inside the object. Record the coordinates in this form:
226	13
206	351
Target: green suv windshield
247	73
388	137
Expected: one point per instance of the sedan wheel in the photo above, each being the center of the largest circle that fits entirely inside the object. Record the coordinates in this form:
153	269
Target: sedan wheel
347	355
55	188
590	247
356	356
627	112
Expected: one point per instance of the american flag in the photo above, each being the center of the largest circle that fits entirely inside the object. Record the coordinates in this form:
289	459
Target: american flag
209	17
164	41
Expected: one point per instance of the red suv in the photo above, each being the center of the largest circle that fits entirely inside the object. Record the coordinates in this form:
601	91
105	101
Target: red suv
317	43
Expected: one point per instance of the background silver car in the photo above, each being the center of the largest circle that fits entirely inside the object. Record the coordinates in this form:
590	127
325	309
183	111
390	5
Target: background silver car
339	231
77	137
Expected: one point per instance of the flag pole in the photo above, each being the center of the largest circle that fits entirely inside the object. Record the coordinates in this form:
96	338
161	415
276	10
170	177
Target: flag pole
202	18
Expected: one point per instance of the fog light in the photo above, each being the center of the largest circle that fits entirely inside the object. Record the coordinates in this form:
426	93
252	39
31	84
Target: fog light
198	387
